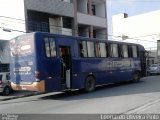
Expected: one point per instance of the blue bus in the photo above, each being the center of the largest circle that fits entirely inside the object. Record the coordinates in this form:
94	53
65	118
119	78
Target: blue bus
47	62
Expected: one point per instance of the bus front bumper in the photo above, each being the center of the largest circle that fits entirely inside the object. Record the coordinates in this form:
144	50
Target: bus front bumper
35	86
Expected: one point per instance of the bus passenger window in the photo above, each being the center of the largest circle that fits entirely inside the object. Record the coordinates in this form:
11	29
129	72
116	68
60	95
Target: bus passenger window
97	47
130	52
138	52
103	52
114	50
125	51
47	47
120	51
134	49
83	48
91	49
50	48
108	50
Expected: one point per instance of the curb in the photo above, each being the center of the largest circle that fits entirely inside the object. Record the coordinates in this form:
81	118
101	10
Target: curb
20	96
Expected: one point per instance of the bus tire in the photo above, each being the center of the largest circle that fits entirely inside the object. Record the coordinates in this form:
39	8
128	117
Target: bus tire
6	91
136	77
89	84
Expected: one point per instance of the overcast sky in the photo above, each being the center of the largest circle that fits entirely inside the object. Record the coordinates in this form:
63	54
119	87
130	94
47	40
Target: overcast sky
13	9
131	7
10	8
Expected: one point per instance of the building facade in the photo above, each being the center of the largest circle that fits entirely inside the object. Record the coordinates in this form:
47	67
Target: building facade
143	29
85	18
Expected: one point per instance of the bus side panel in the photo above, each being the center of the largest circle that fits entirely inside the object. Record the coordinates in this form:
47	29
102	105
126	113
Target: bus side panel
50	74
85	67
120	69
53	80
136	65
108	70
49	68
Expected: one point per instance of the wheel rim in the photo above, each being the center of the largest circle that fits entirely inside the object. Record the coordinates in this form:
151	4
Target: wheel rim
90	84
6	91
136	77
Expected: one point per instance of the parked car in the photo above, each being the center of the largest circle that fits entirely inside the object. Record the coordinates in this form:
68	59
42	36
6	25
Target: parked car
153	69
5	85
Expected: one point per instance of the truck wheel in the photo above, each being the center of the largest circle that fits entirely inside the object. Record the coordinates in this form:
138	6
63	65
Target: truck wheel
90	84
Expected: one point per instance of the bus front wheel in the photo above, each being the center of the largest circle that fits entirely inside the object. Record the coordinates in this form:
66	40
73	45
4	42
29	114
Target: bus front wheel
90	84
136	77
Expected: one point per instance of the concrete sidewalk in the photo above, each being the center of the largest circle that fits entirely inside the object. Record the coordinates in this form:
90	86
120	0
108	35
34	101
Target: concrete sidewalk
154	107
18	94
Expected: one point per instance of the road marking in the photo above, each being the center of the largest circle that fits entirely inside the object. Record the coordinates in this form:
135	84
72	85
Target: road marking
142	107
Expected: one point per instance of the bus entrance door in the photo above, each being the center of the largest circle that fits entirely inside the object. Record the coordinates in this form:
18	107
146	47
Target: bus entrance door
65	56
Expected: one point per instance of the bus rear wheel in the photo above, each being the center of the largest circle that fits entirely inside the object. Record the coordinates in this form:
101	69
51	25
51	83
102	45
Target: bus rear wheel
136	77
6	91
90	84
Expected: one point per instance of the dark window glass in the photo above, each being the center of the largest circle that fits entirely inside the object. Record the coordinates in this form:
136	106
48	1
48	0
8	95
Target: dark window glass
138	52
4	67
120	52
37	21
67	22
108	49
93	9
130	52
158	48
0	77
94	34
8	76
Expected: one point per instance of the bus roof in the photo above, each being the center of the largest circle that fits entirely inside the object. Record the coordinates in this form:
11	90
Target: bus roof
84	38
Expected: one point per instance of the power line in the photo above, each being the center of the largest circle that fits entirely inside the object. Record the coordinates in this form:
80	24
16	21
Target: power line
11	21
97	38
136	38
10	30
11	18
147	35
58	29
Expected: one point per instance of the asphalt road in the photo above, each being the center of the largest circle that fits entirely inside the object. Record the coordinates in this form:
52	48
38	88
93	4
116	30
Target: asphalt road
142	97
